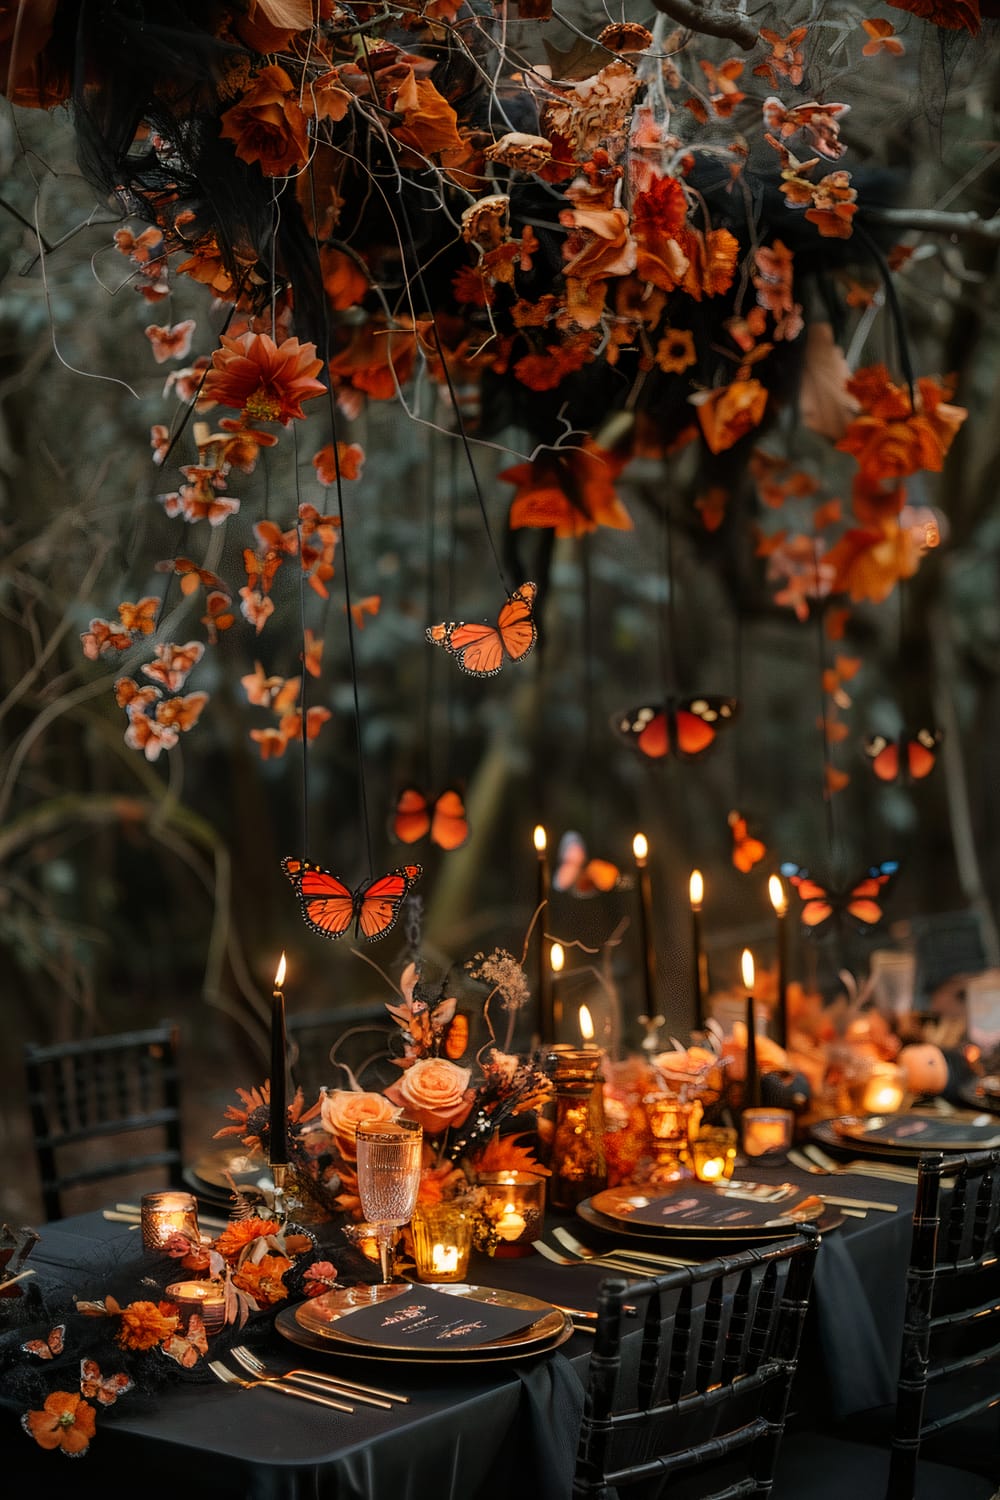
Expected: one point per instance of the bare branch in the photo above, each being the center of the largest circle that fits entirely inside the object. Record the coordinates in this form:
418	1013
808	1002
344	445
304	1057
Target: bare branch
711	20
937	221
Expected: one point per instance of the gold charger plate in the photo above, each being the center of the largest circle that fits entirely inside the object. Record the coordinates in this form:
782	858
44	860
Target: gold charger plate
982	1094
888	1135
829	1218
246	1171
745	1218
548	1330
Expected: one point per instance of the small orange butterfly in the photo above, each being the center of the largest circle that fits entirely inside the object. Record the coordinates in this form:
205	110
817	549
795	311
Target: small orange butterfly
103	636
369	605
330	907
218	614
911	757
260	570
104	1388
747	851
575	872
181	713
481	649
187	1348
191	575
128	693
442	817
173	663
139	618
271	538
48	1347
171	342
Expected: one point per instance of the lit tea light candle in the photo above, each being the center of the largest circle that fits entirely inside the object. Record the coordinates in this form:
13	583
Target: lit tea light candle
511	1225
163	1215
444	1259
713	1153
587	1026
206	1298
767	1132
883	1092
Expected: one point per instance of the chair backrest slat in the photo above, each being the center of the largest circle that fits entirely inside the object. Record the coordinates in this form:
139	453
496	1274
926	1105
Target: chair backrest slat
98	1089
724	1336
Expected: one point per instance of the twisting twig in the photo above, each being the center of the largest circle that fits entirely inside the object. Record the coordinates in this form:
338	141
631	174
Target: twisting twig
711	20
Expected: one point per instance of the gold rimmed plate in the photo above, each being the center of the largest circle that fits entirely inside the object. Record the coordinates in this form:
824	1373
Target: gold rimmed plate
210	1170
909	1133
288	1325
694	1210
982	1093
328	1318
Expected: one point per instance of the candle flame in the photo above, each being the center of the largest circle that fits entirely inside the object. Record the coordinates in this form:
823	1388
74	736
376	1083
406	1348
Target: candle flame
557	957
640	848
696	890
540	839
776	892
586	1024
279	977
746	968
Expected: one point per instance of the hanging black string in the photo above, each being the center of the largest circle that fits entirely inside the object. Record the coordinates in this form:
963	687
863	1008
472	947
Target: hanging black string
828	769
338	479
303	703
895	310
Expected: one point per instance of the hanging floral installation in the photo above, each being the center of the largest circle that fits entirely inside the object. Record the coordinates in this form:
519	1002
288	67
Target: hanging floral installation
613	250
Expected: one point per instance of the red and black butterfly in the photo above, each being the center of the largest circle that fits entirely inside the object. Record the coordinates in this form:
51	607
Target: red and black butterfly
481	649
687	728
860	901
330	907
911	757
442	817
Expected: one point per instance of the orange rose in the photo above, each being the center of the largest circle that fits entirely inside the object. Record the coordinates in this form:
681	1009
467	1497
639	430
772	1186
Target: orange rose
267	126
435	1093
889	450
343	1110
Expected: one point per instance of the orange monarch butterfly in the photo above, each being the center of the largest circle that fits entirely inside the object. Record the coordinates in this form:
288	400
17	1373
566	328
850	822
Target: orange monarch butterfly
443	817
859	901
686	729
910	758
584	877
480	649
329	906
106	1388
48	1347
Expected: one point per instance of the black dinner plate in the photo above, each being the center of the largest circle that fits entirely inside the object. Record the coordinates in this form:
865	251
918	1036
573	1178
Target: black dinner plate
290	1329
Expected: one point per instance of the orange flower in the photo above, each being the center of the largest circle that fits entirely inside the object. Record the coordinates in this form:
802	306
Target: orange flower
430	125
883	38
267	125
729	413
870	561
344	281
833	206
262	379
675	351
570	490
66	1421
143	1326
262	1280
235	1237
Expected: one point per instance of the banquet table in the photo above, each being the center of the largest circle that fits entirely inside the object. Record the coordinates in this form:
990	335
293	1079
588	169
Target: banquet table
469	1433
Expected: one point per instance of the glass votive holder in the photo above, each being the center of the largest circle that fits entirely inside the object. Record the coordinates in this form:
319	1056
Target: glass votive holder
767	1133
514	1203
670	1126
442	1238
165	1214
881	1091
206	1298
713	1153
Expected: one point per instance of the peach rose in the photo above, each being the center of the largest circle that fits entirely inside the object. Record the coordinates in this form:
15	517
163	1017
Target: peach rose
435	1093
343	1110
267	126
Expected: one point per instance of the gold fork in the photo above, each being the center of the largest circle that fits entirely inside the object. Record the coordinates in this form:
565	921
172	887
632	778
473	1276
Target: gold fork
368	1395
229	1377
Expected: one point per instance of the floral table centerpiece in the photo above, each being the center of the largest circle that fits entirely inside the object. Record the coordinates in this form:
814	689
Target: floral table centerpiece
466	1111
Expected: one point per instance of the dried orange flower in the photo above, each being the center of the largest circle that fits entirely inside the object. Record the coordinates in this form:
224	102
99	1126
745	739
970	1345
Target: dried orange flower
143	1326
262	379
235	1237
262	1280
66	1422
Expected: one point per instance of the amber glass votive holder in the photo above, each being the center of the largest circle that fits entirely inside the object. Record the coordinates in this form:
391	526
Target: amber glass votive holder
206	1298
515	1206
165	1214
442	1239
767	1133
713	1153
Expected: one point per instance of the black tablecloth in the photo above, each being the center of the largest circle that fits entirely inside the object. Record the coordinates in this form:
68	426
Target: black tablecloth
473	1433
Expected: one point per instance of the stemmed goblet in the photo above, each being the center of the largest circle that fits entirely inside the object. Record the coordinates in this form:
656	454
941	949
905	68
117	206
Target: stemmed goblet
390	1156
